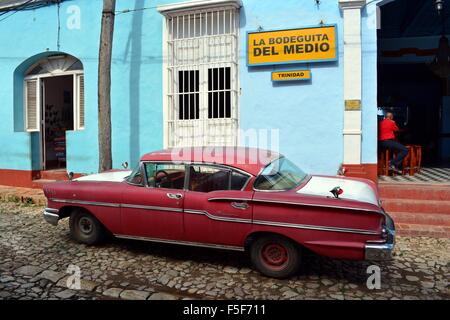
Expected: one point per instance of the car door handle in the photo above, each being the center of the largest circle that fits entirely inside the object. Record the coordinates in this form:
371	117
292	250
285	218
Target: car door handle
240	205
175	195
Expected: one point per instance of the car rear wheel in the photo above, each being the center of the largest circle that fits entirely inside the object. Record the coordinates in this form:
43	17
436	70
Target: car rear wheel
275	256
85	228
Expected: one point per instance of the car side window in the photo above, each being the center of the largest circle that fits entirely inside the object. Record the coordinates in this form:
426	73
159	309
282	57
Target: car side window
165	175
209	178
238	180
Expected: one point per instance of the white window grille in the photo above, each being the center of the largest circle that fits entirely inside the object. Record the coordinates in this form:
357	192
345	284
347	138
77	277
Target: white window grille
202	78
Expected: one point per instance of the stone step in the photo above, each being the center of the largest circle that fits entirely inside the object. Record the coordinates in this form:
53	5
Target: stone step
419	230
415	192
428	219
416	206
60	175
38	184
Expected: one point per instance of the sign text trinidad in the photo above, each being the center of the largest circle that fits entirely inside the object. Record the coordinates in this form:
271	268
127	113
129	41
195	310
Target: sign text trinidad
315	44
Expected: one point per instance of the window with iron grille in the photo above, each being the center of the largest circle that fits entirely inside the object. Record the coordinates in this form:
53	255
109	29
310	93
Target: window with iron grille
202	78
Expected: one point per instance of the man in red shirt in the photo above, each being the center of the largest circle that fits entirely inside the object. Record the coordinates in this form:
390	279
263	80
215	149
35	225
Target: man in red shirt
387	141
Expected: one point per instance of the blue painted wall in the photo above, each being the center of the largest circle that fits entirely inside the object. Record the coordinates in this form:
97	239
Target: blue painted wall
309	115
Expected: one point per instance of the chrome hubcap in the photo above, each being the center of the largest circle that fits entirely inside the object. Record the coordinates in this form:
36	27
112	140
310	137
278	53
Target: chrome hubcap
85	225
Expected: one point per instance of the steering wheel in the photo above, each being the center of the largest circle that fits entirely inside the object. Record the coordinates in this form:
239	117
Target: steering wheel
165	178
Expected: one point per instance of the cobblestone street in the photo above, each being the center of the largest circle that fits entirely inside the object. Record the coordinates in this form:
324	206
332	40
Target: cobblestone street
35	256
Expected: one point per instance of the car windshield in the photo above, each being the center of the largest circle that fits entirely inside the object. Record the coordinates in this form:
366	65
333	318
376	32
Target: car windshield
135	177
279	175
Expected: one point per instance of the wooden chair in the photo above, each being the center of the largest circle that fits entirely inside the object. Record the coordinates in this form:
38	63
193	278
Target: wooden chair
409	162
383	162
418	157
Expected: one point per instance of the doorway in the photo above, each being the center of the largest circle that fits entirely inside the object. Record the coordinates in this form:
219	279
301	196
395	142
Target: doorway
414	82
53	106
57	118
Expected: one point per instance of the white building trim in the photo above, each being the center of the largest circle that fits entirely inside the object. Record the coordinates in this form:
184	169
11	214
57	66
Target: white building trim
352	79
168	9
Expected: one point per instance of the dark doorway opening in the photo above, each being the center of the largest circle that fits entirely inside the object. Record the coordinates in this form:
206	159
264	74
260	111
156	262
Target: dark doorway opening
410	85
57	118
415	96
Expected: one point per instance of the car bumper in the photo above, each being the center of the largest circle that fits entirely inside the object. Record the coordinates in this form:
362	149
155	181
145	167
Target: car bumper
51	216
382	251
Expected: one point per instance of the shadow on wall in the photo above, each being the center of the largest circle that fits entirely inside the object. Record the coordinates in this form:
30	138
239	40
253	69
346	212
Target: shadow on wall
134	50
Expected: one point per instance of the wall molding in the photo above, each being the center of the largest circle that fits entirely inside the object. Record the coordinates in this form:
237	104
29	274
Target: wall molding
351	4
196	5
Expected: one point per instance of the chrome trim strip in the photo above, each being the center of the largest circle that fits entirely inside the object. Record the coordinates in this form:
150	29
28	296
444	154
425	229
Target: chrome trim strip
311	227
225	219
152	208
281	224
229	199
92	203
120	205
213	217
184	243
316	205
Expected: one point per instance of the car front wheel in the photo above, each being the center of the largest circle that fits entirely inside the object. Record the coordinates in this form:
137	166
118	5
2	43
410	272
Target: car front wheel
275	256
85	228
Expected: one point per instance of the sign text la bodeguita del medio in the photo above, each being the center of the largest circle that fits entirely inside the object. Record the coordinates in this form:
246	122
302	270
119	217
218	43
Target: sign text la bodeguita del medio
315	44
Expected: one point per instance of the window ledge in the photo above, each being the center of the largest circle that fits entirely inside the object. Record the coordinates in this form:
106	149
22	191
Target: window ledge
197	4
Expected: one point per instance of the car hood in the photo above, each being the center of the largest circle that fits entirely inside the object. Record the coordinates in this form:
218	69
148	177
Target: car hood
110	176
352	189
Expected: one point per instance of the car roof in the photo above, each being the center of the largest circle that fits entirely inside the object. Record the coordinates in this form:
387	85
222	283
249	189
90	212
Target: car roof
251	160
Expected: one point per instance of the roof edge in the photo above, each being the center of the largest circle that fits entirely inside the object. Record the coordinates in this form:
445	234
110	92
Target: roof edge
15	3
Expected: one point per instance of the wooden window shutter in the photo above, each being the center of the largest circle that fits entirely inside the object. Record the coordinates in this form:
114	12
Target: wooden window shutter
31	105
80	86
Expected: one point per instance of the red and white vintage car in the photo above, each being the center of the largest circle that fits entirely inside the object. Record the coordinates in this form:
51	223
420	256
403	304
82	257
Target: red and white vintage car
228	198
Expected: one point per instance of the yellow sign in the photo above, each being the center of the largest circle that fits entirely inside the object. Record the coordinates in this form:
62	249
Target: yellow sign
352	105
291	75
315	44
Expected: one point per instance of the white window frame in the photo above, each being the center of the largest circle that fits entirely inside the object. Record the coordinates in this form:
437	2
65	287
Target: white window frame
191	7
